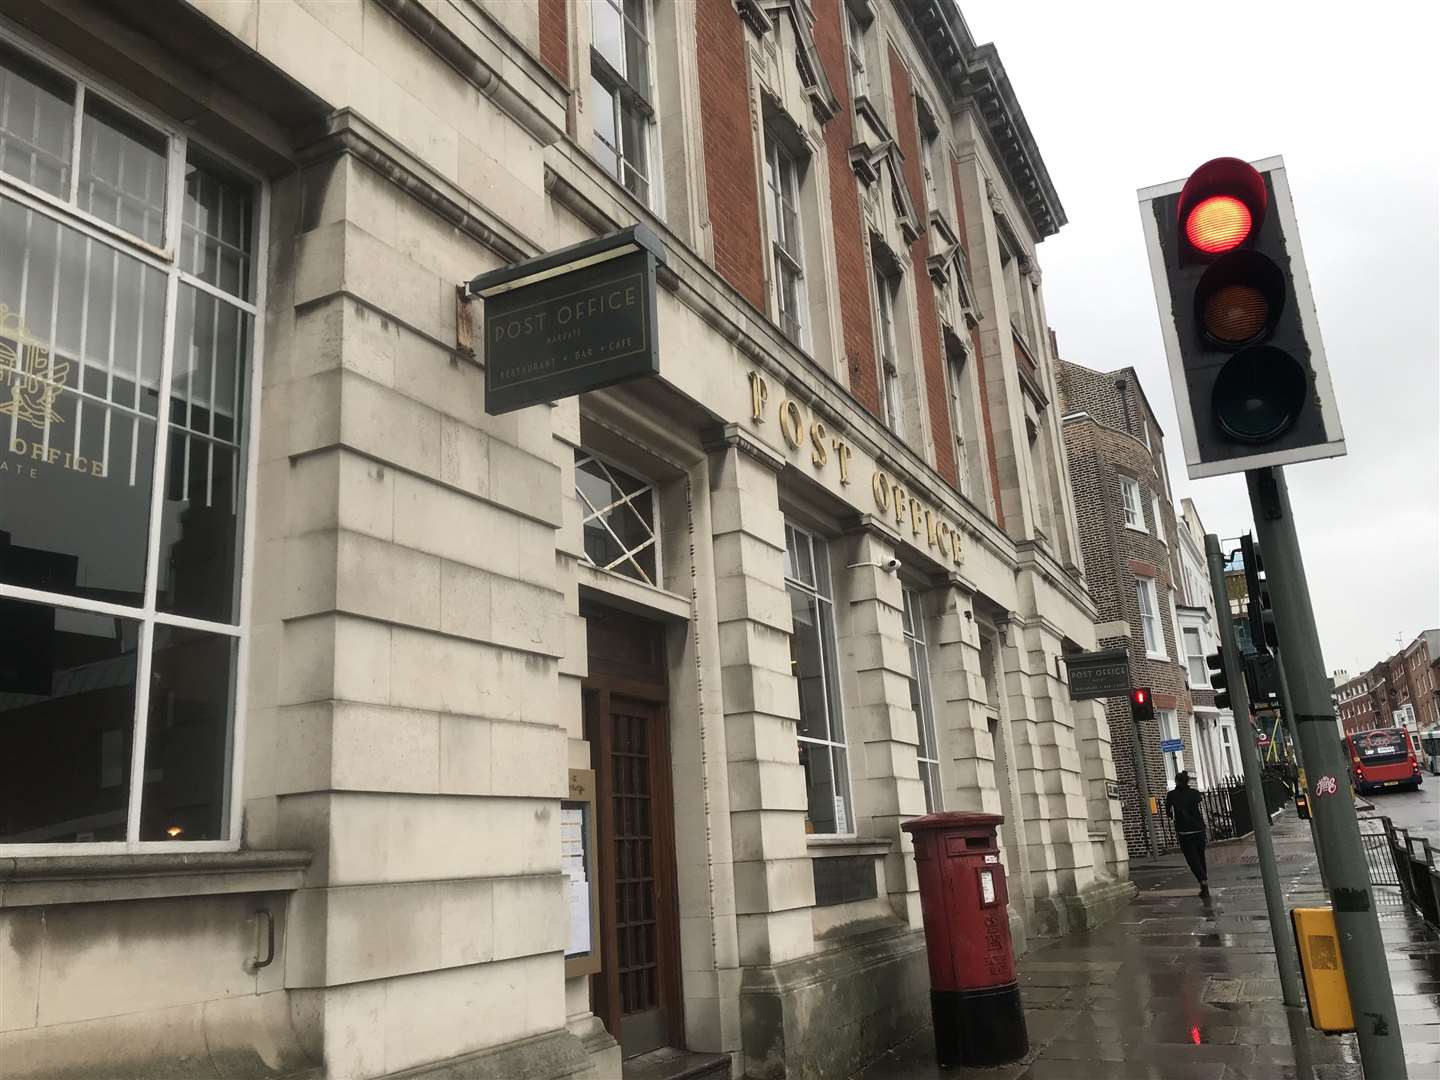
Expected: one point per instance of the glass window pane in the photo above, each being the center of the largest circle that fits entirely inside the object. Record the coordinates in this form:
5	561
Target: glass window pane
636	135
187	738
217	227
607	33
607	138
815	760
618	518
67	708
122	171
37	111
807	664
204	484
78	434
799	565
637	47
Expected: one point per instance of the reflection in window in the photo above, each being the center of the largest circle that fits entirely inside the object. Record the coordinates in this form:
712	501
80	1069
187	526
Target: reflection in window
83	322
122	171
782	200
37	109
216	227
620	91
927	754
187	741
81	327
618	518
67	704
821	729
200	518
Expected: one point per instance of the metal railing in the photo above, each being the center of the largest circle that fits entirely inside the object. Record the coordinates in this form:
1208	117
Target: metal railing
1405	863
1226	808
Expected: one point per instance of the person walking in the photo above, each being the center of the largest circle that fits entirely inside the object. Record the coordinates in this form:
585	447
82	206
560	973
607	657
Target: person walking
1183	805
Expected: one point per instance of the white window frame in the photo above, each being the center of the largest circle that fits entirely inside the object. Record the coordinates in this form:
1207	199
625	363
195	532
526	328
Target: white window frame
1203	678
1159	521
787	258
1130	503
165	259
618	87
928	766
1151	628
887	354
954	373
855	54
822	591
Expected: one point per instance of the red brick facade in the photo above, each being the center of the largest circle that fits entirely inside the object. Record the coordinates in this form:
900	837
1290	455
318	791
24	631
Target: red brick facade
1370	700
555	38
907	133
1104	445
851	263
729	149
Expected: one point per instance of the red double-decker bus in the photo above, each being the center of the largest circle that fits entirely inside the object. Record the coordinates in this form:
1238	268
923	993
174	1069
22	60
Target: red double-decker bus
1382	759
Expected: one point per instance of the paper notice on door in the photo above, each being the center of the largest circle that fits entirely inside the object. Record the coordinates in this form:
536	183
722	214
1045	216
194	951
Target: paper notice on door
579	940
842	825
572	842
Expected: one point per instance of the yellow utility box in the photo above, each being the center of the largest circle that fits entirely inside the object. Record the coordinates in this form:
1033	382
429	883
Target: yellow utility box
1318	944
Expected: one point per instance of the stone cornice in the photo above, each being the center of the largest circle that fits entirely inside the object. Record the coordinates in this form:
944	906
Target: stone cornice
347	132
974	74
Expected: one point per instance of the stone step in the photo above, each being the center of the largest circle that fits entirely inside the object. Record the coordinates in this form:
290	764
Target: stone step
673	1064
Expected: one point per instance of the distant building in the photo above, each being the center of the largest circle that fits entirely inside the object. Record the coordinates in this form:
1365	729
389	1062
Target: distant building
1213	729
1401	690
1128	536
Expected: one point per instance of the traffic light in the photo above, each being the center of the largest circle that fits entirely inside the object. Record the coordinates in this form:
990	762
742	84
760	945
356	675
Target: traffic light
1141	707
1216	663
1251	384
1258	611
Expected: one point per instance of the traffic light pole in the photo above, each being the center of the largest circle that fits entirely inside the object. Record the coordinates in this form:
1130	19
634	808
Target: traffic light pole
1142	780
1367	975
1254	789
1289	708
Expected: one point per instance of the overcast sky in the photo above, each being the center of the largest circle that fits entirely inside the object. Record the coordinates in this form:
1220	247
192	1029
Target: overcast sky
1124	95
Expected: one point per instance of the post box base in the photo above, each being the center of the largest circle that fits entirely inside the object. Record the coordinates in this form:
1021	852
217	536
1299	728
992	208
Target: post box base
979	1027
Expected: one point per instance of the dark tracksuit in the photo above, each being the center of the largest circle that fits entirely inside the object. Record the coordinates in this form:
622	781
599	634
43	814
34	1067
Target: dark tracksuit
1183	806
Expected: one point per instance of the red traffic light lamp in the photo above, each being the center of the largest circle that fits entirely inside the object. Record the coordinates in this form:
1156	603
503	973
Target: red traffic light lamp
1142	708
1222	203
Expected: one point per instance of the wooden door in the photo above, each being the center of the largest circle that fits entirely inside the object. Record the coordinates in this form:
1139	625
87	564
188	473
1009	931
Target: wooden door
637	991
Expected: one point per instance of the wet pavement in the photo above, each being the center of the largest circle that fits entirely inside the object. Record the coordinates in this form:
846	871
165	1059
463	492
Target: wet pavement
1180	988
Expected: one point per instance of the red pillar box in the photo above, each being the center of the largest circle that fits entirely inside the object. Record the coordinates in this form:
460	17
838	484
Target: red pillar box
974	998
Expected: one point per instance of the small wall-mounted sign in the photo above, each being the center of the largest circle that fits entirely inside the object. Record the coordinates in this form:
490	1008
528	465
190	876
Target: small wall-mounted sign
1171	746
577	319
1098	674
1112	789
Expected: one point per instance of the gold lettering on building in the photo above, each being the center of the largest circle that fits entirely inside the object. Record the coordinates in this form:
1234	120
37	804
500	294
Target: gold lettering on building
910	511
759	395
33	376
842	455
818	456
792	424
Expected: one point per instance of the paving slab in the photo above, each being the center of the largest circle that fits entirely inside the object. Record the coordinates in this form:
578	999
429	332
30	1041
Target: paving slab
1178	987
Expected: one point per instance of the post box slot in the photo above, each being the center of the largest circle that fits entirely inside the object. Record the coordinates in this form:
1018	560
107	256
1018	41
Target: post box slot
976	842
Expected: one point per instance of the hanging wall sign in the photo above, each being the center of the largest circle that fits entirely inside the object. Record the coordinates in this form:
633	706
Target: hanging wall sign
1098	674
574	320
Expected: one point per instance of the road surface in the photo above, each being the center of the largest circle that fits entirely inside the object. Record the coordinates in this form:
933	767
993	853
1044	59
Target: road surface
1418	811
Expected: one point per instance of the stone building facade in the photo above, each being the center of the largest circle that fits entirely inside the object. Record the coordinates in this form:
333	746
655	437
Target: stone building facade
1128	534
357	731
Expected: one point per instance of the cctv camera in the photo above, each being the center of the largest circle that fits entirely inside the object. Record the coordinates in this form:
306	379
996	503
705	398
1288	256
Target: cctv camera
890	565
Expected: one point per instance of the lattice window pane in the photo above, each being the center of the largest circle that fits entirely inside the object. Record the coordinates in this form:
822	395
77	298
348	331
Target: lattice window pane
618	516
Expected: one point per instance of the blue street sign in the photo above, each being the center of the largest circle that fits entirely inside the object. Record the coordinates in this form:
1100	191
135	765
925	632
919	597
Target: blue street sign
1171	746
